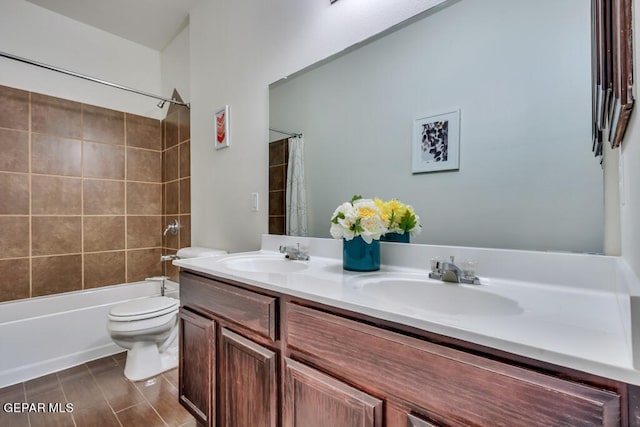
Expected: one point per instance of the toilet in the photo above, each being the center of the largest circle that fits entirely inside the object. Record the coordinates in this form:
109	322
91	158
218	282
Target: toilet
148	328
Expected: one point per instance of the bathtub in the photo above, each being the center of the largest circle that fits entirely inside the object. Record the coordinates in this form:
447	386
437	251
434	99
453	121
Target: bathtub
47	334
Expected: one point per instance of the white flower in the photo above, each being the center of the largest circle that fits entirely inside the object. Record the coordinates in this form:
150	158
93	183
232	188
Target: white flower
360	217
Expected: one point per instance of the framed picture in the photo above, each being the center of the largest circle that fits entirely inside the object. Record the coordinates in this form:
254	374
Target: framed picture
436	142
222	128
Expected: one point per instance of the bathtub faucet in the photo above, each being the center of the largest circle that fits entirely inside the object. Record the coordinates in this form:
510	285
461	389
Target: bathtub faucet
164	258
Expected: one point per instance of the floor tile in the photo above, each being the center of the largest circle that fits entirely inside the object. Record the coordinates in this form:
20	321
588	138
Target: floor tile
42	385
101	397
98	415
161	394
132	417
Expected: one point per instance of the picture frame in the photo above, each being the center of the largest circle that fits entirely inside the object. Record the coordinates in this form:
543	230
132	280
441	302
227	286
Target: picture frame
222	128
611	71
436	142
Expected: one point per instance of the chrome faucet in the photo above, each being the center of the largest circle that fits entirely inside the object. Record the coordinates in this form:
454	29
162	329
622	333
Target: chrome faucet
295	253
172	228
171	257
450	272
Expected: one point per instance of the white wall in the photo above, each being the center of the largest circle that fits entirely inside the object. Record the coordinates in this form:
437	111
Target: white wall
522	80
36	33
175	67
630	191
237	49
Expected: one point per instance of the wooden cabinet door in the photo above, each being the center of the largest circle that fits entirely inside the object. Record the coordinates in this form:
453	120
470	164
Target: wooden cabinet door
196	379
314	399
248	383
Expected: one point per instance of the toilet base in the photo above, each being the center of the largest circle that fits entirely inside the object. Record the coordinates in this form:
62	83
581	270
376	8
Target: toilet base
145	361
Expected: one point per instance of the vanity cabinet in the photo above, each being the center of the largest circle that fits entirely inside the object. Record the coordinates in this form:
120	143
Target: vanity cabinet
228	341
314	399
278	360
196	377
444	385
248	382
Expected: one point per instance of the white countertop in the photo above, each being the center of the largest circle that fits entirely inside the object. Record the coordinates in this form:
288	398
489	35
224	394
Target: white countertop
584	328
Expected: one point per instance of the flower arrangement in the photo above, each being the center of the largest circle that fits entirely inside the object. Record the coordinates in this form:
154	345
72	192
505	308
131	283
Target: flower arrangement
398	217
358	217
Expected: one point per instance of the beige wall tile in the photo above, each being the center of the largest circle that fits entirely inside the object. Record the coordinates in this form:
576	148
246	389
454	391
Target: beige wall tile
104	269
185	231
143	263
102	125
103	161
170	164
144	199
14	147
56	156
185	195
14	279
55	274
53	195
14	108
171	205
103	197
171	124
144	232
103	233
14	194
144	165
185	124
143	132
185	159
56	235
56	116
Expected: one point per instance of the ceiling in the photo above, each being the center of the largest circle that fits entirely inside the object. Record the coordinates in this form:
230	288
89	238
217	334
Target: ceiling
152	23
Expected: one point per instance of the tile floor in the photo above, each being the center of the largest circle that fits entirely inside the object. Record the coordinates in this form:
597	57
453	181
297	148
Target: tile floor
101	396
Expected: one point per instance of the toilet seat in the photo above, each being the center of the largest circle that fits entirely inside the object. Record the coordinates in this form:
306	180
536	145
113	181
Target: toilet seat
144	308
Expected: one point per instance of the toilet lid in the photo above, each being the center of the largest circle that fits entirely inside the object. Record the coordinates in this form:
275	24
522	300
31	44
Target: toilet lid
143	308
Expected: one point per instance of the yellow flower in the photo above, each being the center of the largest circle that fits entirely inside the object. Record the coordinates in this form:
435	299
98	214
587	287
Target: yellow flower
367	212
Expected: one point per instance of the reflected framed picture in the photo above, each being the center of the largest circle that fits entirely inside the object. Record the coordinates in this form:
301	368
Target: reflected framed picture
436	142
222	128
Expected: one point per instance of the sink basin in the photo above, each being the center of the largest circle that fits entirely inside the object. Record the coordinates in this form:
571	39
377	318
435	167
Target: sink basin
264	264
419	293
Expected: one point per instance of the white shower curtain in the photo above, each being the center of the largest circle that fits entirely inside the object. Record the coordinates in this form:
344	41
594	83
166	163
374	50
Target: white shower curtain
296	195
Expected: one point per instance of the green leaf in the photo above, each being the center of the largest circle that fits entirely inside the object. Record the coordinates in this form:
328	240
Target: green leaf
392	219
337	217
355	197
408	221
356	227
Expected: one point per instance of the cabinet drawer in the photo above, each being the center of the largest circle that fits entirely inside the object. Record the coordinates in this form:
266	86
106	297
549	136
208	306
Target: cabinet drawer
249	309
461	387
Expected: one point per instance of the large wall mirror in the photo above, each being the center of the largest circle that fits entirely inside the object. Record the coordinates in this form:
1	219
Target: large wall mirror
520	75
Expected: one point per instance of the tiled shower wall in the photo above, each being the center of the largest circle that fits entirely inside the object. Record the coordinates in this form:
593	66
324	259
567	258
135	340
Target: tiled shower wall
176	181
278	161
81	194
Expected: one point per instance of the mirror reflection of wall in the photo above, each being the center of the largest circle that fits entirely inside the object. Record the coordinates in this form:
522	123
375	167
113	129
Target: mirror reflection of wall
519	72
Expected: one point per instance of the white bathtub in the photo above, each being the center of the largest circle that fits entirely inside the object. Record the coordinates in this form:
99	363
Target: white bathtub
47	334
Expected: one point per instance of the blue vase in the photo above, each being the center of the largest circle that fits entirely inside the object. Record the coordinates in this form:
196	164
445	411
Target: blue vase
358	255
396	237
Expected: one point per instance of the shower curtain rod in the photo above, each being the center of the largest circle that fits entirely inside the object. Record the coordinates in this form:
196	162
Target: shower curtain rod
93	79
285	133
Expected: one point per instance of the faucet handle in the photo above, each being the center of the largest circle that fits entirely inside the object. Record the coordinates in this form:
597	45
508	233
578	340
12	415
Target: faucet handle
436	264
172	227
